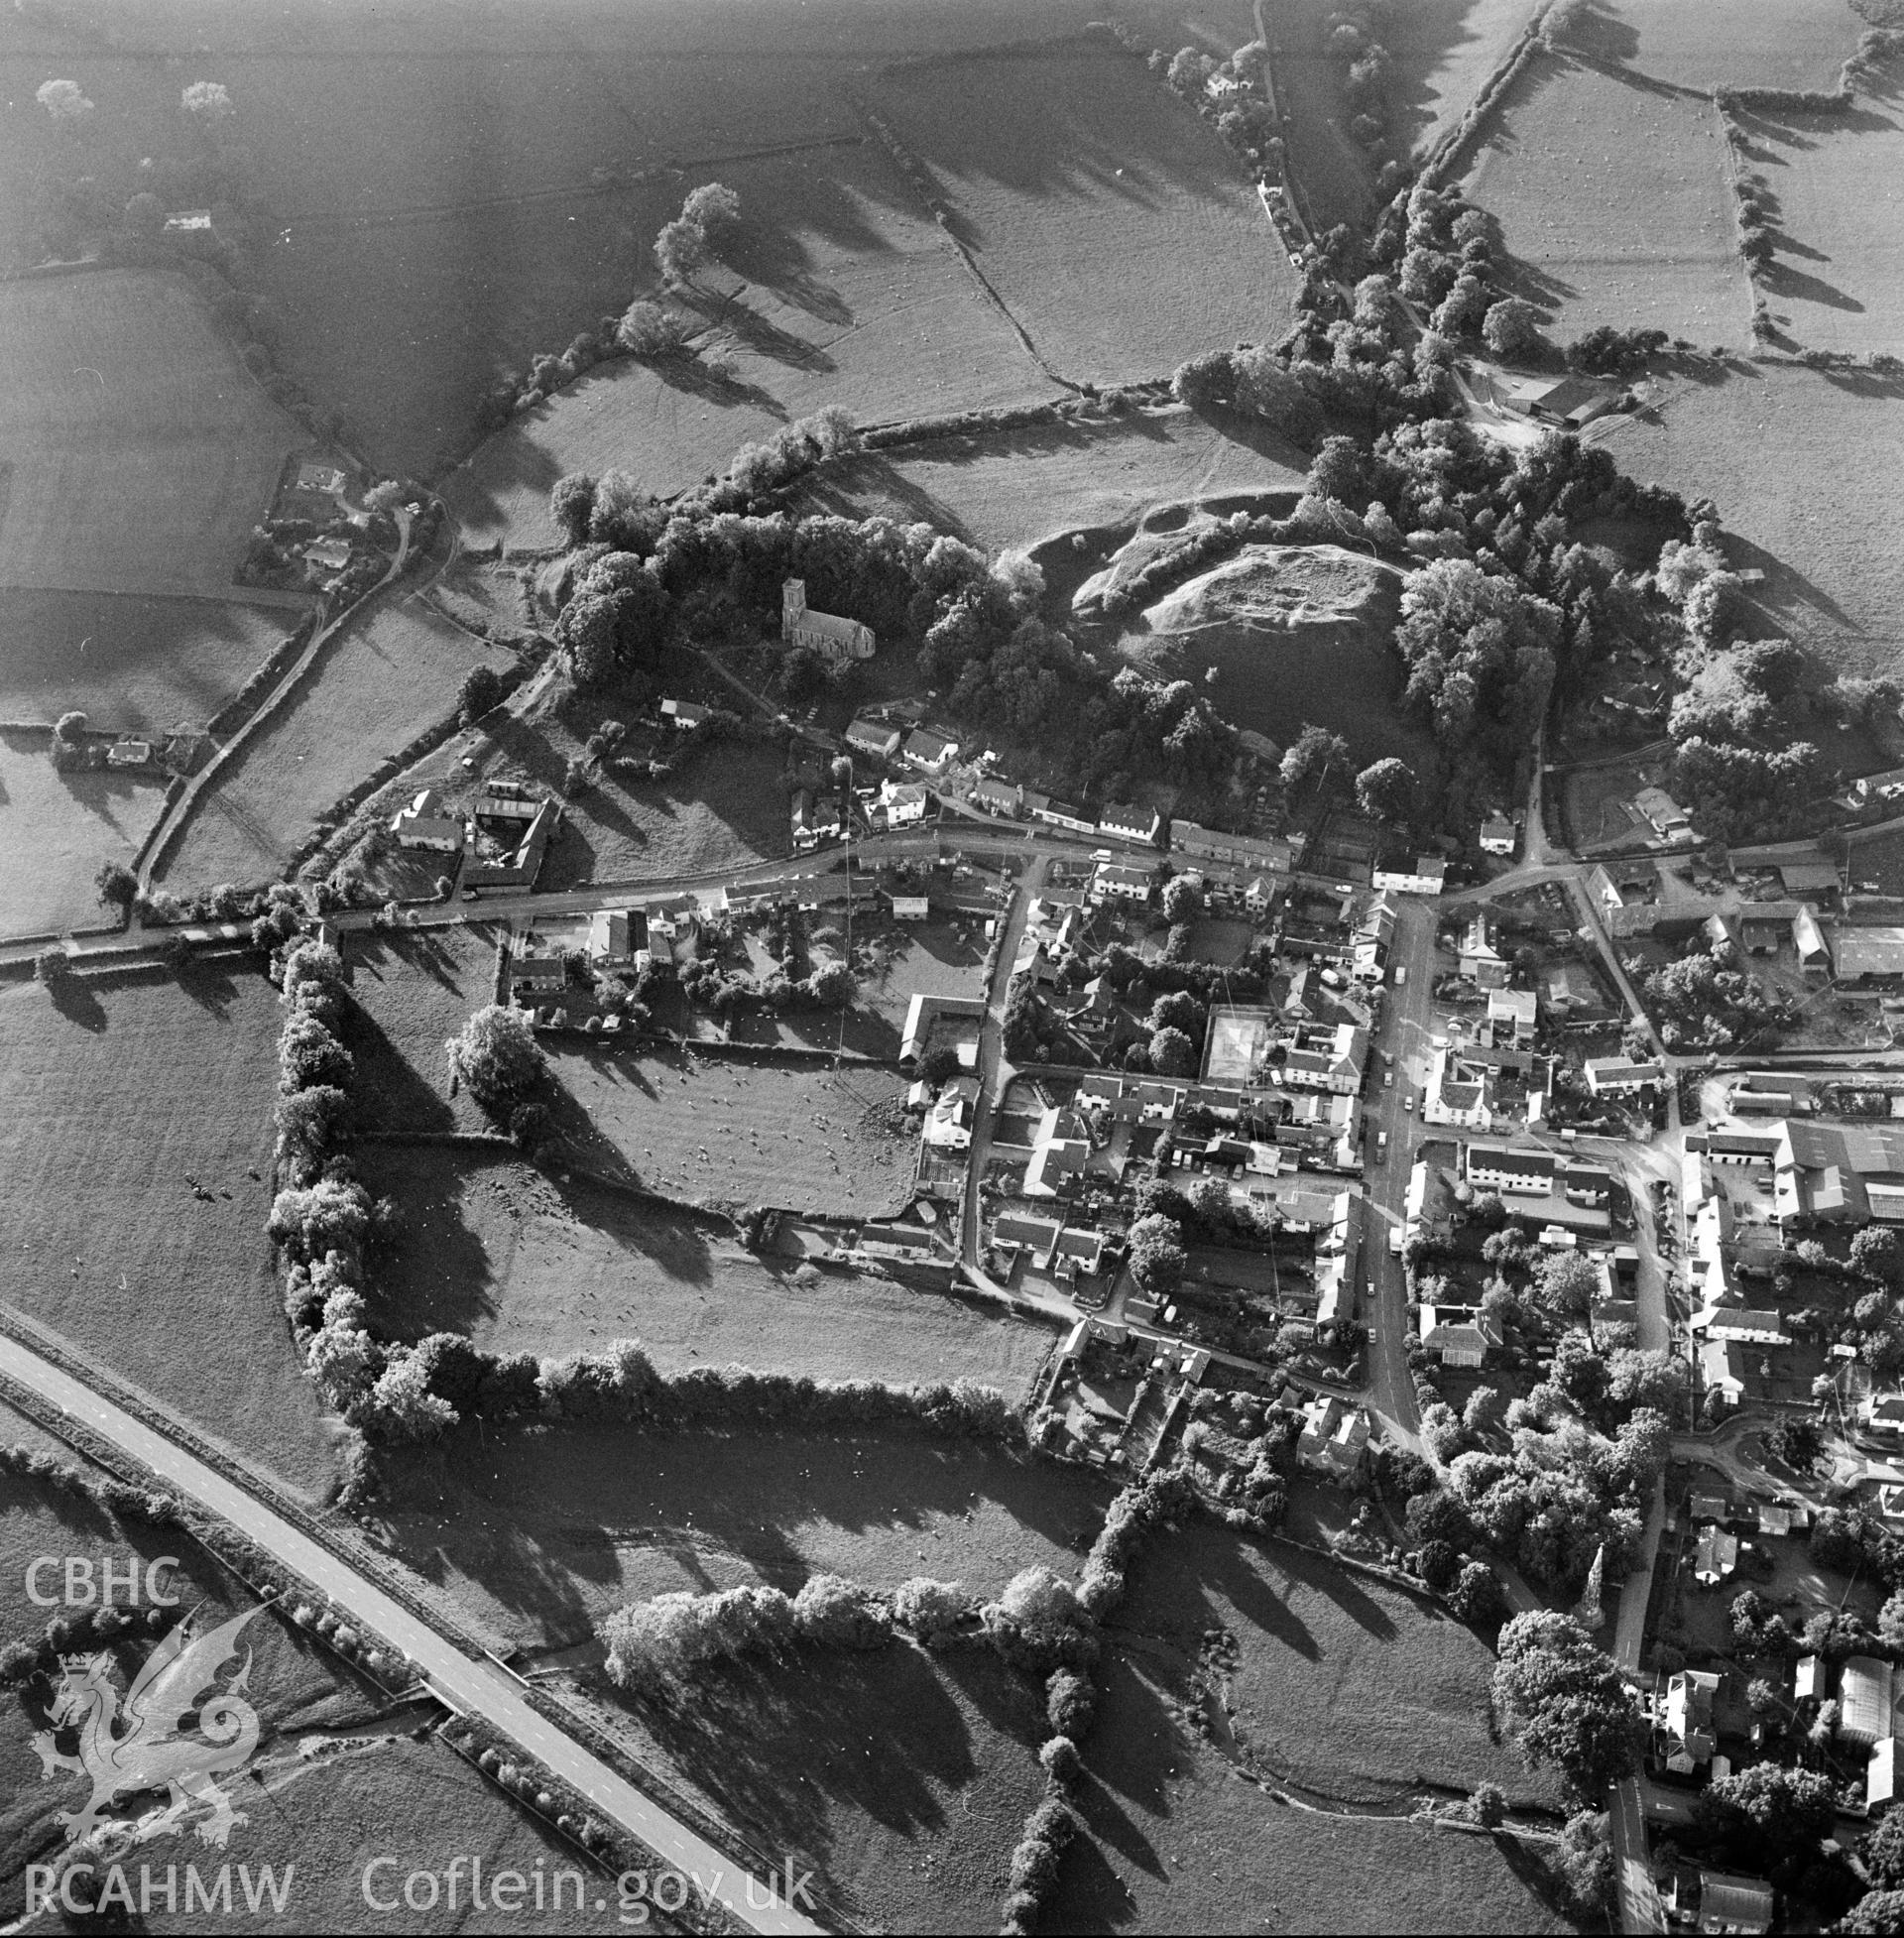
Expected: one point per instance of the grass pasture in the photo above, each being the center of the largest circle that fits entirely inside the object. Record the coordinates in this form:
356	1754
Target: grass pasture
802	1137
1837	274
104	1239
57	829
644	1514
1616	201
837	289
137	453
1443	51
1008	489
1803	465
129	665
390	673
902	1777
1798	44
1113	225
498	1249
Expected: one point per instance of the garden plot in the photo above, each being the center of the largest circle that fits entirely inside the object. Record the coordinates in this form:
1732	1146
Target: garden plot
496	1249
806	1139
1802	467
131	665
1616	202
387	677
644	1514
1838	188
1114	225
137	453
57	828
112	1102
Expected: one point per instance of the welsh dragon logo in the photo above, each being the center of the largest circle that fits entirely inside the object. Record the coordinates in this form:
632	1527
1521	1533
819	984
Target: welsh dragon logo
137	1746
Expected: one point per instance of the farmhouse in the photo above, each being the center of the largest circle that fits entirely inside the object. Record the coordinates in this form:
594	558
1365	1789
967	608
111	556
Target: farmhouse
873	736
924	748
1620	889
129	753
1427	876
686	715
840	639
535	966
1498	835
423	824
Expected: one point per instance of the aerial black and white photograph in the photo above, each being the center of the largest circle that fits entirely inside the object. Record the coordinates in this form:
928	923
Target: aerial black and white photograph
951	967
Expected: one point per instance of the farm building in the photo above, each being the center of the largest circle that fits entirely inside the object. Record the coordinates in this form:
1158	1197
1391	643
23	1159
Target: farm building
187	221
1820	876
1867	953
1864	1701
841	639
1130	823
1808	938
686	715
1572	401
1498	835
923	748
423	824
873	736
933	1019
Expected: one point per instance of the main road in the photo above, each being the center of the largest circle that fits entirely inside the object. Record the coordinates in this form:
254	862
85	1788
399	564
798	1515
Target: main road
469	1684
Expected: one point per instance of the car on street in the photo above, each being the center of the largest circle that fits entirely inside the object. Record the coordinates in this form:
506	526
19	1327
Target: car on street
1388	1079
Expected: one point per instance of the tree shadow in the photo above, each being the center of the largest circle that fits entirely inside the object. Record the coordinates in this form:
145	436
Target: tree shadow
73	998
1788	285
209	984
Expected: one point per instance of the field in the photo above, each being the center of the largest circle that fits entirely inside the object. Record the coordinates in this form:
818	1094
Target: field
57	829
1346	1697
1113	225
644	1514
387	677
139	453
805	1138
839	289
1798	44
1835	283
1770	445
1008	489
129	665
1295	634
1615	203
1444	51
414	991
105	1240
496	1249
902	1777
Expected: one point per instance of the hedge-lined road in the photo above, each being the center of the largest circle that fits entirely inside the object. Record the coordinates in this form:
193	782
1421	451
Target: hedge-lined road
471	1686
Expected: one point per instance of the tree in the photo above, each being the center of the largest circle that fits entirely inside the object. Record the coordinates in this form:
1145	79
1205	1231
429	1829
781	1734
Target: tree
1172	1054
1881	1914
1386	791
1565	1282
646	329
498	1058
69	726
679	250
1488	1806
1769	1811
1568	1701
1182	899
571	504
209	102
1313	751
53	966
1795	1440
712	208
1156	1255
482	688
1512	327
117	886
1874	1253
64	101
1884	1852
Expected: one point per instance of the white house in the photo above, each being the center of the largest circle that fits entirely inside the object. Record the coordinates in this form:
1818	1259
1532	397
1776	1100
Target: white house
1118	881
910	907
1498	835
1607	1075
423	825
1427	877
923	748
129	753
841	639
1130	823
686	715
873	736
905	801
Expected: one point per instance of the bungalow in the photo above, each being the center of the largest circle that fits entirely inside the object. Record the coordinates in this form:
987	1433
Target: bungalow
1480	962
1498	835
1878	786
1460	1334
1058	814
422	824
908	908
129	753
1669	820
1749	1325
931	751
1714	1556
873	736
1607	1075
1428	876
1060	1152
329	555
687	715
1884	1413
1572	993
997	796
